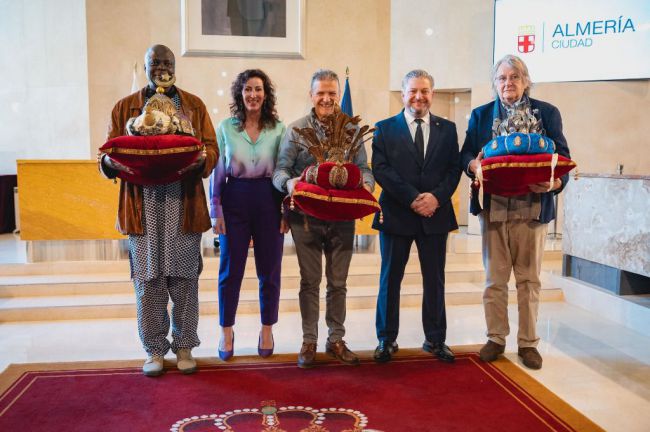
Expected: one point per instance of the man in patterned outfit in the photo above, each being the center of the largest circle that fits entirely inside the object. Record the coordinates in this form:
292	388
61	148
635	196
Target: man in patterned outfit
164	224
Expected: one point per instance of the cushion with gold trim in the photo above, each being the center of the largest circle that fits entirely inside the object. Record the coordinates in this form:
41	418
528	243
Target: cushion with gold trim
154	159
333	204
510	175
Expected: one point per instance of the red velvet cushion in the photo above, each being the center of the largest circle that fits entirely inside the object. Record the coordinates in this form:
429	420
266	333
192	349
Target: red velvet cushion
511	175
154	159
334	204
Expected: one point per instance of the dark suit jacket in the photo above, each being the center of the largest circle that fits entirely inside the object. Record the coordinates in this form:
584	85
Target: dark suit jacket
479	133
403	175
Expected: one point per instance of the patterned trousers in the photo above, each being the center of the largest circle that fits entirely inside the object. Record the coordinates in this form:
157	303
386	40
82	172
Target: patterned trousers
152	297
165	262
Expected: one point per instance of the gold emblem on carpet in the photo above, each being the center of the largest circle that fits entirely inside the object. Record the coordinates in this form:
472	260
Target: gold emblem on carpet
270	418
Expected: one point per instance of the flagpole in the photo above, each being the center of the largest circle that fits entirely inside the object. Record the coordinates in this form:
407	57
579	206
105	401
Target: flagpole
346	100
134	80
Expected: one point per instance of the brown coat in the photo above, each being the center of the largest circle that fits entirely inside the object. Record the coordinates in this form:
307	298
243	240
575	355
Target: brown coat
196	217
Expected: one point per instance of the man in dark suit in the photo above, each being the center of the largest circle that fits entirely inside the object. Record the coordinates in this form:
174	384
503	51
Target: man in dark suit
415	159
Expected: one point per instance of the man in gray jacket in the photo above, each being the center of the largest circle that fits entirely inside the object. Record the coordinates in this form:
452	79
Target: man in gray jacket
313	236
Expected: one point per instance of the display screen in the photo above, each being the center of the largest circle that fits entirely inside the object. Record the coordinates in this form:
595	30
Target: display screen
576	40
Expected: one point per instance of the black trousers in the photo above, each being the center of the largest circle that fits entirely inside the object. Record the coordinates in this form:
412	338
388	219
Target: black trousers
395	250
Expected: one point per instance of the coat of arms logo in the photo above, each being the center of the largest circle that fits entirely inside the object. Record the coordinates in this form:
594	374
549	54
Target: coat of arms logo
526	39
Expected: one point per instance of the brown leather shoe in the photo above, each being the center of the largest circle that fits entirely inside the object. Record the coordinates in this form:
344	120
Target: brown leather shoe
307	355
341	352
530	357
490	351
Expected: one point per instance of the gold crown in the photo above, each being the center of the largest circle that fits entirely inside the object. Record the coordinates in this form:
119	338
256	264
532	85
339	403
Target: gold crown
159	115
269	419
338	141
527	30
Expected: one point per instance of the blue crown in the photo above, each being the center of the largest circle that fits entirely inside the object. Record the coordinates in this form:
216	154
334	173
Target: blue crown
518	143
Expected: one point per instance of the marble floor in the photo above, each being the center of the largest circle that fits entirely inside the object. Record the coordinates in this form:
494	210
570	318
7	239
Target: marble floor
599	367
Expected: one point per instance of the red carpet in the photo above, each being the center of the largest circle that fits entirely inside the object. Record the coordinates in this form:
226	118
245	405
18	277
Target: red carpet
412	393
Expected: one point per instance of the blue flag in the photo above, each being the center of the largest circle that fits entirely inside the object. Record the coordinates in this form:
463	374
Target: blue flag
346	102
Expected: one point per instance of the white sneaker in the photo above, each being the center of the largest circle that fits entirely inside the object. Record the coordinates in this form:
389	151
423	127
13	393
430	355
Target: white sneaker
153	366
185	362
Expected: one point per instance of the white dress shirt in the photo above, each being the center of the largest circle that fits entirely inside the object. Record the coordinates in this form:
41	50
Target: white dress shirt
413	126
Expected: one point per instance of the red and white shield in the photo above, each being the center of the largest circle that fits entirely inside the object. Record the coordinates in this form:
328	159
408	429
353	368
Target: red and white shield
526	43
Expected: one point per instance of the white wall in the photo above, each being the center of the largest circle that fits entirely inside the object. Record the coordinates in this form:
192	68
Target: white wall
339	33
452	40
44	92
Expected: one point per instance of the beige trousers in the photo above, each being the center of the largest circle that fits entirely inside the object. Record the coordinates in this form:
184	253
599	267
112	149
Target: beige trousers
512	245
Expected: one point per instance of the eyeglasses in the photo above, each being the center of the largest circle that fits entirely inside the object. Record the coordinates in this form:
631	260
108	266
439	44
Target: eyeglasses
501	79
